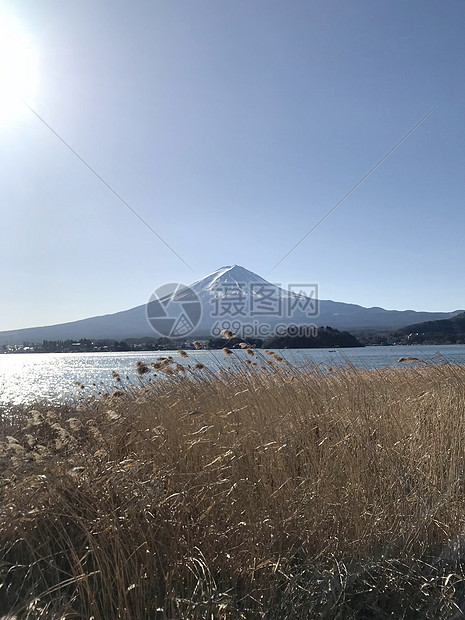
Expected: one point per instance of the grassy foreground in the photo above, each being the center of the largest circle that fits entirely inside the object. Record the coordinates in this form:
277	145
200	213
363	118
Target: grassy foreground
269	492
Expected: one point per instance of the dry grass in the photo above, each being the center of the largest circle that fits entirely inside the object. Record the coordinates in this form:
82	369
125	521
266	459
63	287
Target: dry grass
268	492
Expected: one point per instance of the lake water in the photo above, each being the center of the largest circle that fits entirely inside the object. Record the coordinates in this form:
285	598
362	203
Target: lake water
26	378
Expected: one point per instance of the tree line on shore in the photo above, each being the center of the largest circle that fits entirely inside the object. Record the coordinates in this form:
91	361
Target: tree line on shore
322	337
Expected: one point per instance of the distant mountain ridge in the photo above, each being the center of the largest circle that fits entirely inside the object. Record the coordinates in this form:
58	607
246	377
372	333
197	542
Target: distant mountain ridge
445	331
233	281
454	325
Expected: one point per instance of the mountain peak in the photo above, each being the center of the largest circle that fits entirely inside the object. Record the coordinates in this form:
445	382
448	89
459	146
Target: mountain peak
231	274
233	268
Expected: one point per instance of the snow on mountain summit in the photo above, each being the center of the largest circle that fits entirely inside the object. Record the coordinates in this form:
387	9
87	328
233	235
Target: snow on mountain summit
227	276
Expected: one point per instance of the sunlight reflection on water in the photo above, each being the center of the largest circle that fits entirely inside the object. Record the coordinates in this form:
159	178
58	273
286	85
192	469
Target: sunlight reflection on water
27	378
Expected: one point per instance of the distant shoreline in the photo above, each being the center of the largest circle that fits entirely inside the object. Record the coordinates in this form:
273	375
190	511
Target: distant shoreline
172	350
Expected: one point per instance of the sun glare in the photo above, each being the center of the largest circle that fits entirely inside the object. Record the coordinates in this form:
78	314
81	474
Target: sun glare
18	69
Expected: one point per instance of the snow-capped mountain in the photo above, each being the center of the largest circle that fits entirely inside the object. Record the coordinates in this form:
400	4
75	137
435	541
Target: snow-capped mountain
228	296
229	280
234	275
238	299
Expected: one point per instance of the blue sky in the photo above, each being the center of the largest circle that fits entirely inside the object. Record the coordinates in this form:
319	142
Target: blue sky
232	127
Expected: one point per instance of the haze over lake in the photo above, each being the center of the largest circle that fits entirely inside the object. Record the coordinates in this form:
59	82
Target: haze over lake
26	378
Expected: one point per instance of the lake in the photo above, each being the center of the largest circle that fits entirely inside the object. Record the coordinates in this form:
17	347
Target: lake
26	378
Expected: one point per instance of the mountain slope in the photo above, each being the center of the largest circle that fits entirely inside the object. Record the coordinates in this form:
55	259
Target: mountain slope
452	326
229	294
